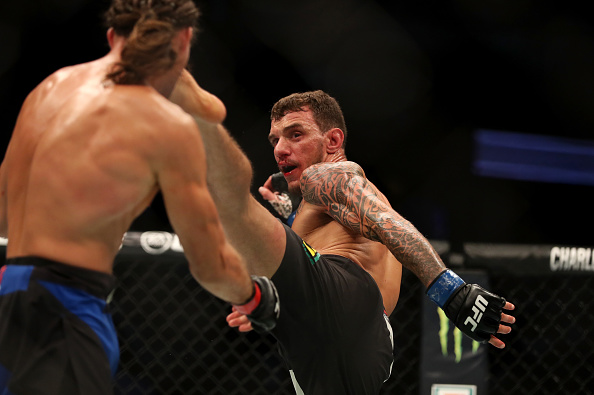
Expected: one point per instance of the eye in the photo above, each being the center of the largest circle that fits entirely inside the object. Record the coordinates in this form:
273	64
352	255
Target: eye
296	135
273	142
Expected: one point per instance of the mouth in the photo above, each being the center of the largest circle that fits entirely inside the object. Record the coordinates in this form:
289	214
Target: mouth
286	169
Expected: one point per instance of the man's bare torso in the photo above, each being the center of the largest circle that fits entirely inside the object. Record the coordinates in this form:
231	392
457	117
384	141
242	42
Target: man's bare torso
77	168
327	236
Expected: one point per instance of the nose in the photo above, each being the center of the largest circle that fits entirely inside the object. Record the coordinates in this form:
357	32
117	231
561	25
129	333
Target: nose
281	148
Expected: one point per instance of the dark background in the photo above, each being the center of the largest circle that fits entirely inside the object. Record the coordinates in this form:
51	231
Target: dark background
415	80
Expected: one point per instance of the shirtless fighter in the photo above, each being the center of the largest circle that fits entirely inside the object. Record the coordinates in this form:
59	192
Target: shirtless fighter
338	269
92	145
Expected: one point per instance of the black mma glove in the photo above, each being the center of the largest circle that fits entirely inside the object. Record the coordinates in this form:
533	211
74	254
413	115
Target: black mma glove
287	202
475	311
263	308
279	184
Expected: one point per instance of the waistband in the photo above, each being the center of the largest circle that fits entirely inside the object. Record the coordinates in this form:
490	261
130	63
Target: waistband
96	283
347	264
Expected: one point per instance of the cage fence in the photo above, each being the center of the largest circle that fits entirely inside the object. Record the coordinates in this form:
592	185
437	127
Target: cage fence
174	338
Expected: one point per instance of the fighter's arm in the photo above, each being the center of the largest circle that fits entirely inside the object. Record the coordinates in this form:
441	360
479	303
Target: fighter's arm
348	197
352	200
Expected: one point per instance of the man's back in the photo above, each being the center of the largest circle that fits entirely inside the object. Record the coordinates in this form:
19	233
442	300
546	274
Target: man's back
92	145
79	165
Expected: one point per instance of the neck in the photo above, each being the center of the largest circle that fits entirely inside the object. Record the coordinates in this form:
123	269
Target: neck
117	44
165	83
338	156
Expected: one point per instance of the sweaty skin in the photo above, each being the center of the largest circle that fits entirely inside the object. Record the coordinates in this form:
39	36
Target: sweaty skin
341	212
72	117
87	157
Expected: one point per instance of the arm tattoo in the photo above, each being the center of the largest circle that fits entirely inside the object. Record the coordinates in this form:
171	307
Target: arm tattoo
349	198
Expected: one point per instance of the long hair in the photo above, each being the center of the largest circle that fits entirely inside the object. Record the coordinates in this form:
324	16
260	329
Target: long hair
149	26
325	109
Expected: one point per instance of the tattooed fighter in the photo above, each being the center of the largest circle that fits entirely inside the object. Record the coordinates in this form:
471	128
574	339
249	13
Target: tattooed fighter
338	269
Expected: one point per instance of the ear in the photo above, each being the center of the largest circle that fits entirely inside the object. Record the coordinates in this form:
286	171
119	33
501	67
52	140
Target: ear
186	38
335	138
110	37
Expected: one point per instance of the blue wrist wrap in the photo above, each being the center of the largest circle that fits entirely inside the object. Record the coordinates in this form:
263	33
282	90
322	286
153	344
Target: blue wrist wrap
291	218
445	284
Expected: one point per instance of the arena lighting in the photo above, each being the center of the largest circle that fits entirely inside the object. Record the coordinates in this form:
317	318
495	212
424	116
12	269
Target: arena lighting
532	157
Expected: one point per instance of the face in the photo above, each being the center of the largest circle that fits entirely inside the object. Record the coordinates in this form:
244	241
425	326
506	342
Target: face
298	143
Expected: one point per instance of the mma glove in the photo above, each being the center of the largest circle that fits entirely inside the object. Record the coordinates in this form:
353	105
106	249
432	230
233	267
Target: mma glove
475	311
287	202
263	308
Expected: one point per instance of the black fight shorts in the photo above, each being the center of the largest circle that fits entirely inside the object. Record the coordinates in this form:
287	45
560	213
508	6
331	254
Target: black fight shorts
332	330
56	335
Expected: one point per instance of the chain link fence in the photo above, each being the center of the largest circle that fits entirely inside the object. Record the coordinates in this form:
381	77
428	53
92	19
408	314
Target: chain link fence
552	349
174	338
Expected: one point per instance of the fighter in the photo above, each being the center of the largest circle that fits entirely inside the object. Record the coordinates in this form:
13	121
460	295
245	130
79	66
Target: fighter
338	268
92	145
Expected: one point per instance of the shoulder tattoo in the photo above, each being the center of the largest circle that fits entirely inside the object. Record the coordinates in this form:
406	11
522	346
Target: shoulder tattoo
349	198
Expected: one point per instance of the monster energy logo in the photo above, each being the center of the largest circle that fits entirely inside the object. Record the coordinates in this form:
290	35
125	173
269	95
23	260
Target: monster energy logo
444	329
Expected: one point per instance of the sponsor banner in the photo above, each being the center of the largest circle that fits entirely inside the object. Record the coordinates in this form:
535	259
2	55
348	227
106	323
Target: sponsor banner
516	259
153	242
530	259
448	356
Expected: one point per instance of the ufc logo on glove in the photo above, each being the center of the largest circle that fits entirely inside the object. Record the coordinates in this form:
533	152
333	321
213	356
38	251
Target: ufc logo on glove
475	311
480	305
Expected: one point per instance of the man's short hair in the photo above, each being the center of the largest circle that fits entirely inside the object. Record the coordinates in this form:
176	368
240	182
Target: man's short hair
325	109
